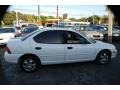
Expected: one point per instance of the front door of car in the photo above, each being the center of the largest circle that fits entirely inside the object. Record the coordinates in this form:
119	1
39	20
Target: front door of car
49	48
78	48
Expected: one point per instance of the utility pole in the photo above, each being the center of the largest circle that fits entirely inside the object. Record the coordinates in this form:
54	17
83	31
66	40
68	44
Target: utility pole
110	24
38	12
93	19
57	12
57	15
16	18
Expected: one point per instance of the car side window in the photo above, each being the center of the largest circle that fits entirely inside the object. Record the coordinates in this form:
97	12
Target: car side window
48	37
74	38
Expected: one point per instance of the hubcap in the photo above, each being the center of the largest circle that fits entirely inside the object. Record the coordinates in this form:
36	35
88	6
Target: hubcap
104	58
29	65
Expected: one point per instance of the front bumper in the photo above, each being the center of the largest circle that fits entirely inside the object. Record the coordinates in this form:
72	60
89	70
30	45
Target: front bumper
113	53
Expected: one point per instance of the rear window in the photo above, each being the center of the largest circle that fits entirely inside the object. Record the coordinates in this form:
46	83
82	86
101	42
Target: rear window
48	37
7	30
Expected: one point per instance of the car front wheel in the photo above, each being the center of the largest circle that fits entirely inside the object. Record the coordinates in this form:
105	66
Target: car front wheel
103	57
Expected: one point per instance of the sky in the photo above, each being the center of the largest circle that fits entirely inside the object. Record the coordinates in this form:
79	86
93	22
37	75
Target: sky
76	11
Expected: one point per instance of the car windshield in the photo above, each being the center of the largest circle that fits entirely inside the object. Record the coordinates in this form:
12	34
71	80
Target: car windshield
97	27
114	28
7	30
105	28
94	28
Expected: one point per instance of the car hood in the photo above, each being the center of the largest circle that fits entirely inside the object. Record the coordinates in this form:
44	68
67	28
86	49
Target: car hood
93	32
104	45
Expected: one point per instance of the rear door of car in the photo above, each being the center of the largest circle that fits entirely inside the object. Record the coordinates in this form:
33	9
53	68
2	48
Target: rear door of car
48	46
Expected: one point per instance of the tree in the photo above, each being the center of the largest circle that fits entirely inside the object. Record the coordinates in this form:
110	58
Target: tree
83	19
104	19
94	19
73	19
43	18
51	17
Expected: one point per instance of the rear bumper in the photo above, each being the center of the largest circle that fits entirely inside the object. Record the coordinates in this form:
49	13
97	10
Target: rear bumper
12	58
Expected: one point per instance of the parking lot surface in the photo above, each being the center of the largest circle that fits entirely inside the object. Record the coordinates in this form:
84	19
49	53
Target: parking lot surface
78	73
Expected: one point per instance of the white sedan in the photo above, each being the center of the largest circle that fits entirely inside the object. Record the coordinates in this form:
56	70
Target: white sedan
6	34
56	46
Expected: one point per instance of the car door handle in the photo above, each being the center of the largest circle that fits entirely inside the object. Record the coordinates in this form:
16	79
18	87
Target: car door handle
69	47
38	48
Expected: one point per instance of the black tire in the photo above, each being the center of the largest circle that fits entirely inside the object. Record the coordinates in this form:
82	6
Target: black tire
29	63
103	57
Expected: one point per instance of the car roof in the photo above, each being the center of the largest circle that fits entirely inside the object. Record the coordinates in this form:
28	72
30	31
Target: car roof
61	29
56	28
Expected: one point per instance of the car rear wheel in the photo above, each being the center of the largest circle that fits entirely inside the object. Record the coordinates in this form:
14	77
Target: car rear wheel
103	57
29	64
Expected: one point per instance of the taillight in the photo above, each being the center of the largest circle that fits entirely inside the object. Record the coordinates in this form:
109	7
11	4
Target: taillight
8	50
1	38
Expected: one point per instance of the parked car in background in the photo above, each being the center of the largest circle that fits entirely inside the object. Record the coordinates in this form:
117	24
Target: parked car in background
28	30
32	25
56	46
104	31
90	32
7	33
115	33
49	25
94	34
63	26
